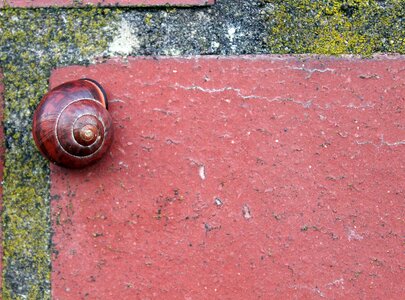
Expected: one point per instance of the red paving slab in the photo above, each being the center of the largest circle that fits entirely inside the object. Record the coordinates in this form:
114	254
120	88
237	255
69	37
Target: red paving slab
58	3
238	178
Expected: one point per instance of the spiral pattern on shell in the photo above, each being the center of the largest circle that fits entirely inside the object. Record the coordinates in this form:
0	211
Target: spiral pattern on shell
71	125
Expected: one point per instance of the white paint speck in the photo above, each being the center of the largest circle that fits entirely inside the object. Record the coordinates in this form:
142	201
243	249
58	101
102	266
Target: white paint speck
353	235
337	282
201	172
231	33
215	45
218	202
172	52
246	212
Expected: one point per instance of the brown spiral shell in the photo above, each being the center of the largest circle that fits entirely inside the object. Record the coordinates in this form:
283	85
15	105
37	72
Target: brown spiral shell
71	126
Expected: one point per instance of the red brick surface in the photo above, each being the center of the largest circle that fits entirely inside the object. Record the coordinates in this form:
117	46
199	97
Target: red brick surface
48	3
238	178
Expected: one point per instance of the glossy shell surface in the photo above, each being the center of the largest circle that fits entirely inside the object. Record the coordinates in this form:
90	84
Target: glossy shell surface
71	125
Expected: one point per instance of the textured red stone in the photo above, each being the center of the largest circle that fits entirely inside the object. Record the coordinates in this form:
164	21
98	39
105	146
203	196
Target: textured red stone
1	172
65	3
238	178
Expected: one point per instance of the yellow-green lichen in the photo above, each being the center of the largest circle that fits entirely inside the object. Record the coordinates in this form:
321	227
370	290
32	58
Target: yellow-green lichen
32	43
336	26
148	19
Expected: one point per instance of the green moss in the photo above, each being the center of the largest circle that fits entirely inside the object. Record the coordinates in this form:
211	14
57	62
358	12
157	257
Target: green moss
336	26
32	43
148	19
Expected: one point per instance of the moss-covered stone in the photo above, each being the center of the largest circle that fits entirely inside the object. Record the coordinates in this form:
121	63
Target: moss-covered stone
32	43
336	26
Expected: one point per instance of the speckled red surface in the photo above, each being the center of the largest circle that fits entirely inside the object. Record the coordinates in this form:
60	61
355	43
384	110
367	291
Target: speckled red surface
56	3
238	178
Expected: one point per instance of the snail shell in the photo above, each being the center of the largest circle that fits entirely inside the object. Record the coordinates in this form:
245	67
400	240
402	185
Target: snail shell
71	125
